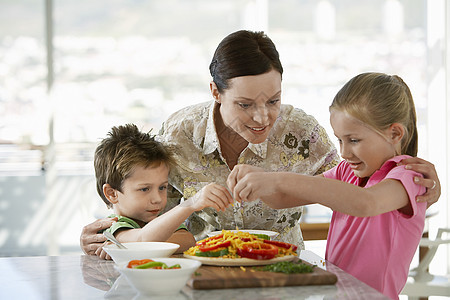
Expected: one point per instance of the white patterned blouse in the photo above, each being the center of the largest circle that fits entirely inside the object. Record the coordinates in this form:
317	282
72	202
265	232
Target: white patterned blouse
296	143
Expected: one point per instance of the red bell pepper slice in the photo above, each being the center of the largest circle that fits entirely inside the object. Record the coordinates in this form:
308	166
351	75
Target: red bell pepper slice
258	251
206	248
138	262
245	239
281	244
205	241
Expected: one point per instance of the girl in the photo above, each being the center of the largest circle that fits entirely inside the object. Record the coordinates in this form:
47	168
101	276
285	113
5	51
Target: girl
377	223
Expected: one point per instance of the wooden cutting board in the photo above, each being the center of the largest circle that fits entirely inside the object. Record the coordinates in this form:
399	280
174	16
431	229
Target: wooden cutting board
214	277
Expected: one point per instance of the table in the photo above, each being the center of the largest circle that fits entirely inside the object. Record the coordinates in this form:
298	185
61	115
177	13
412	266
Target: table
314	231
315	222
88	277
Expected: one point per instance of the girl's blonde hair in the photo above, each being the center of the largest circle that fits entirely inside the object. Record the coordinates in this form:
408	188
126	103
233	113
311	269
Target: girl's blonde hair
379	100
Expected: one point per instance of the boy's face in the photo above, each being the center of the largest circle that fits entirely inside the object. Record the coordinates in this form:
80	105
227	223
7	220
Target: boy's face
144	193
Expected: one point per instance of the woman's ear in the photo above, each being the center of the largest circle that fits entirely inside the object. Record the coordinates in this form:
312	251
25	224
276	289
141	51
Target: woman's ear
110	193
214	91
397	131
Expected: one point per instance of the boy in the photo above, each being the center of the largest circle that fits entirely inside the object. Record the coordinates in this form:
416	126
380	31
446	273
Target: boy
131	170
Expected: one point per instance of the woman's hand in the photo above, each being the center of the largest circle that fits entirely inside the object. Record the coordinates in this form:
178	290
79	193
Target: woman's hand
91	240
430	179
212	195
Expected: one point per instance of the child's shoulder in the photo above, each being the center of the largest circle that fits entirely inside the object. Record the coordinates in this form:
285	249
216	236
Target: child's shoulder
342	172
393	164
122	223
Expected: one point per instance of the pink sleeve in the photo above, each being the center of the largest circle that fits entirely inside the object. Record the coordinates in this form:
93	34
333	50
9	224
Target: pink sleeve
331	173
336	172
342	172
406	177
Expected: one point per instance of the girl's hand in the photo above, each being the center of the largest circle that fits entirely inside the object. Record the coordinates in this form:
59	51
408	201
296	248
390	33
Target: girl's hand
238	172
212	195
430	179
255	185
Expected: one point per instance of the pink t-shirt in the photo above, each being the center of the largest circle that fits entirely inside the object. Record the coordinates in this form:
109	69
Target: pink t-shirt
377	250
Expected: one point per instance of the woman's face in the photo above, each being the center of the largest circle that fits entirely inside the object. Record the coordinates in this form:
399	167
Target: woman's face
251	105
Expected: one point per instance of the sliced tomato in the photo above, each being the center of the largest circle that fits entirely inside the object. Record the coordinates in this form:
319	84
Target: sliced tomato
258	251
281	244
206	248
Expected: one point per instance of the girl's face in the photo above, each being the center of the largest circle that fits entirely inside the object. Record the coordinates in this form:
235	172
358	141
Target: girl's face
144	194
251	105
363	148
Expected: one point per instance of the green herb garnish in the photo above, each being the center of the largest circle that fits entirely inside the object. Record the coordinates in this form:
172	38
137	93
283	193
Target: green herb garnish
287	267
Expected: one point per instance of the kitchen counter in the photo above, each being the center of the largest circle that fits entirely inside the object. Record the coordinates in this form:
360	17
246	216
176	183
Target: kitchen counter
88	277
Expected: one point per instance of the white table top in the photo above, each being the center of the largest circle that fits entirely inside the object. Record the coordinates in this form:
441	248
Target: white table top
88	277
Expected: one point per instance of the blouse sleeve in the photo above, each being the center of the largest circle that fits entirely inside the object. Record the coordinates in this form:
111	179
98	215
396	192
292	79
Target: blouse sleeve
315	150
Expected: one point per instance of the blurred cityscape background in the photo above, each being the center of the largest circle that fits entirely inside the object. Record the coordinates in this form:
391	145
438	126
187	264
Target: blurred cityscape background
70	70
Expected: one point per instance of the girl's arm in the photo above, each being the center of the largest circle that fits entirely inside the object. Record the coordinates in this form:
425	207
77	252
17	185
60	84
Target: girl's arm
282	190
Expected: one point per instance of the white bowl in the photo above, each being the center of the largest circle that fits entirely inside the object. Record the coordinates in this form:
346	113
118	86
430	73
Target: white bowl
140	250
270	234
160	282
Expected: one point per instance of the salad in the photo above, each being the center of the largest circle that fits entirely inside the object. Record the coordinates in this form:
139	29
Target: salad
240	244
150	264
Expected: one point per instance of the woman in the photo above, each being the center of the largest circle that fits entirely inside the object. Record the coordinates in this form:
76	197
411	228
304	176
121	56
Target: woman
245	124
